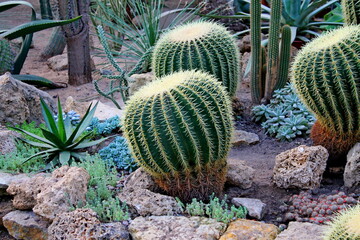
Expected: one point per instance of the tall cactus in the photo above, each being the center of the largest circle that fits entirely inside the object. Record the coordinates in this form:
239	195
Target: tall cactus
351	11
6	56
200	45
326	75
179	128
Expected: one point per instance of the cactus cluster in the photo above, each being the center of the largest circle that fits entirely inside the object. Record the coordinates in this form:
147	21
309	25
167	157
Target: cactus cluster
351	11
6	56
179	128
200	45
326	75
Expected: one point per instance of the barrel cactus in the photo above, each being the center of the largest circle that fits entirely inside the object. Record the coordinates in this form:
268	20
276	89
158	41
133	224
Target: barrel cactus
200	45
179	129
326	75
345	226
351	11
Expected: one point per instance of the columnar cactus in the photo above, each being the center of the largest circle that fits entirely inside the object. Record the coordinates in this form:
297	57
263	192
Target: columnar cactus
345	226
201	45
179	129
351	11
6	56
326	75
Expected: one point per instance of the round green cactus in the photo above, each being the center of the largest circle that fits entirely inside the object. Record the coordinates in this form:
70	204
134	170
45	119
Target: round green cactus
345	226
179	128
326	75
351	11
201	45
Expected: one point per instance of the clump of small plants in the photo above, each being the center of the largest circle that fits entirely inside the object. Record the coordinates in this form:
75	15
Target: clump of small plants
216	209
285	118
305	207
73	116
119	153
106	127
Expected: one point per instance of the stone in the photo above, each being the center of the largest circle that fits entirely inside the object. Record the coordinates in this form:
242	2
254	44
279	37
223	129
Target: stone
139	81
241	137
79	107
250	230
104	111
302	231
352	167
175	228
60	62
7	178
5	208
140	179
301	167
110	231
20	102
26	225
255	207
239	174
7	141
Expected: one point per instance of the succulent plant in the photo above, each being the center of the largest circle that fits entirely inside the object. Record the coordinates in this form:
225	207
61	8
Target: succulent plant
104	127
200	45
351	11
179	128
73	117
326	75
6	56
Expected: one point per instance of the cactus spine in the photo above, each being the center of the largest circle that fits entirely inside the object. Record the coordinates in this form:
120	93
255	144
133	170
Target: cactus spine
346	226
351	11
326	75
201	46
179	128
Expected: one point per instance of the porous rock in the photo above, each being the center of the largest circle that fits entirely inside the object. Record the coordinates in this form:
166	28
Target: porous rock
7	141
239	174
301	167
140	80
26	225
110	231
302	231
140	179
7	178
241	137
20	102
246	229
255	207
352	168
175	228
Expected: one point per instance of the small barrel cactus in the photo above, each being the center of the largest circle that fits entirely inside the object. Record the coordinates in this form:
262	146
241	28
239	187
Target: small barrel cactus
326	75
345	226
179	129
351	11
201	45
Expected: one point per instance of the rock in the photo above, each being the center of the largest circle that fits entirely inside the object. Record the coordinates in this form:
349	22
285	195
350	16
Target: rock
20	102
148	203
74	225
250	230
241	137
5	208
7	141
139	81
302	231
26	225
110	231
352	168
239	174
49	196
60	62
175	228
104	111
6	179
140	179
301	167
79	107
255	207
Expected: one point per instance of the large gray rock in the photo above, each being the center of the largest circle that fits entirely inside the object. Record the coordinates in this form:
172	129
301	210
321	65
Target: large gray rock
239	174
26	225
302	231
241	137
20	102
255	207
352	168
301	167
7	141
5	208
175	228
7	178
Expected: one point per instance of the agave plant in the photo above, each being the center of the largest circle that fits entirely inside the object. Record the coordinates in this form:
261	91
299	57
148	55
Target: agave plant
61	139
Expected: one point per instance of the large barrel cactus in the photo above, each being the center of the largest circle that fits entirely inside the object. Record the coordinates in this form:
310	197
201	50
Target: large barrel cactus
201	45
326	74
351	11
179	128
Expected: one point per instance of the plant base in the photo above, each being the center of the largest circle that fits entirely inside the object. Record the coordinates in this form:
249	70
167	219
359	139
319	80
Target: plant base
199	185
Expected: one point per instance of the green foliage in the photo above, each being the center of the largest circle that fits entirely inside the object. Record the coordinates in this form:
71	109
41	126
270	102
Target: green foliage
200	45
104	127
285	117
6	56
33	128
61	139
351	11
345	226
326	75
335	15
216	209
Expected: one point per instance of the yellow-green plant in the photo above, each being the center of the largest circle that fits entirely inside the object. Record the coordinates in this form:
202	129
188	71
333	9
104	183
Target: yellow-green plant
326	75
200	45
351	11
179	129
